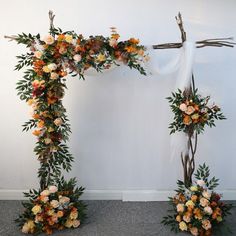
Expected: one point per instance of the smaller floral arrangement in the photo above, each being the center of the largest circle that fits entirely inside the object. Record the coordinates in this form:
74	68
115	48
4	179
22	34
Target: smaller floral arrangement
198	209
192	112
54	208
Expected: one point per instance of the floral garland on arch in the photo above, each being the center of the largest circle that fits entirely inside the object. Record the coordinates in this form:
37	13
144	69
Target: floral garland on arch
50	59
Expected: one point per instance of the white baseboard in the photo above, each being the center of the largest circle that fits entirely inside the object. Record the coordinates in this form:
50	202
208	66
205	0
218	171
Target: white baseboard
127	195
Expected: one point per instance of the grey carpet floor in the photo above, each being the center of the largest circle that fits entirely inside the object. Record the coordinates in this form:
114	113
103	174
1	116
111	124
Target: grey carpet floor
107	218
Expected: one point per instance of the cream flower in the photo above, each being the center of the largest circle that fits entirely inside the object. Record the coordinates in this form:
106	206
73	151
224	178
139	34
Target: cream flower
101	57
58	121
47	141
183	226
206	224
49	39
190	203
68	38
76	223
54	203
195	116
183	107
38	54
190	110
45	192
194	231
180	207
204	202
64	200
36	209
69	223
208	210
28	227
52	66
77	57
194	188
201	182
206	194
52	189
54	75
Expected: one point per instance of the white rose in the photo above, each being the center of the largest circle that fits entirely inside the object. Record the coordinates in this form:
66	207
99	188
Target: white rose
52	66
77	57
52	189
208	210
54	75
49	39
201	182
206	194
193	188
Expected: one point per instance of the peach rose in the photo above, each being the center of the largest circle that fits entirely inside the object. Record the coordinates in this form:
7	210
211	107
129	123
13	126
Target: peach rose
183	107
52	189
54	203
206	224
178	218
201	182
113	42
204	202
187	120
54	75
208	210
187	218
58	121
76	223
45	192
206	194
74	215
180	207
60	214
49	39
190	110
64	200
194	231
38	54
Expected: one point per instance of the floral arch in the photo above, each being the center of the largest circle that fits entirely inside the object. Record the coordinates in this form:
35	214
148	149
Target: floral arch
50	60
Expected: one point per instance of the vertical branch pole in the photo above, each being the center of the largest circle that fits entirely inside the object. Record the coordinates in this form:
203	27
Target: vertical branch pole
188	159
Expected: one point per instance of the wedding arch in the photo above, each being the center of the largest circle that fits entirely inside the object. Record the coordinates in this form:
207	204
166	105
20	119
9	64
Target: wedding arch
56	204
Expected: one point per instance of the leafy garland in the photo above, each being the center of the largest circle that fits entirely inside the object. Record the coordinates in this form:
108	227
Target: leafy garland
198	209
48	62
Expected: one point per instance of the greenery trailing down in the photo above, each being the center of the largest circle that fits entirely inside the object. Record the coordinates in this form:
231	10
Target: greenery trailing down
192	112
56	207
46	65
198	209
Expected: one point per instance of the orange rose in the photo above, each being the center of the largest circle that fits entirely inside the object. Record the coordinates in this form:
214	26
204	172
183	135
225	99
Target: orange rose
187	120
134	41
36	132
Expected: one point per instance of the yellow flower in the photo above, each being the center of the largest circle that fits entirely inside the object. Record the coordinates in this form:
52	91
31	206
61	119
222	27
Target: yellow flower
195	116
183	226
101	57
47	141
190	203
36	209
28	227
31	102
193	188
74	215
46	69
69	223
50	129
219	219
68	38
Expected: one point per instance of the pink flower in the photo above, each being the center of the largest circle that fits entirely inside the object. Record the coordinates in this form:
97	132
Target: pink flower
190	110
77	57
52	189
183	107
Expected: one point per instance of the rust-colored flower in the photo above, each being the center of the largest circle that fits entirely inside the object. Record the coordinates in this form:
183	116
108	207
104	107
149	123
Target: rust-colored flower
134	41
187	120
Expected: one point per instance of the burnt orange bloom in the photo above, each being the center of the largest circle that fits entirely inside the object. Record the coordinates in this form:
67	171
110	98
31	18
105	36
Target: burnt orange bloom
36	116
61	37
197	213
187	120
130	49
36	132
134	41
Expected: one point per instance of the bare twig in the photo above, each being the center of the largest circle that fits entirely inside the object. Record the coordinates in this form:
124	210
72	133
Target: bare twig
51	19
11	38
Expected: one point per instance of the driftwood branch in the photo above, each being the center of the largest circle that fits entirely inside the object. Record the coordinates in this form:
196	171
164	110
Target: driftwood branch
215	42
11	38
51	19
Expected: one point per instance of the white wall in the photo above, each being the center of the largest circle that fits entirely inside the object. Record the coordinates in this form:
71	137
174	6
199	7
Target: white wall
119	120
